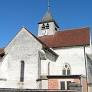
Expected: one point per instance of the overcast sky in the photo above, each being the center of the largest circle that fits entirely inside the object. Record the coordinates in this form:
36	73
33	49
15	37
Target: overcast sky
15	14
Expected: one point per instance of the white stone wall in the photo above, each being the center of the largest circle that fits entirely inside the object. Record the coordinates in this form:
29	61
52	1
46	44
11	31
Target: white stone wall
90	88
44	84
44	67
0	61
23	47
74	56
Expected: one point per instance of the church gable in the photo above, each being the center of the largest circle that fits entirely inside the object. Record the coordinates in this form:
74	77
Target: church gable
23	39
25	42
21	61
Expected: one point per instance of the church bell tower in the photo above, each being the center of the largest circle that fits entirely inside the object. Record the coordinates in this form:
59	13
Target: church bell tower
47	25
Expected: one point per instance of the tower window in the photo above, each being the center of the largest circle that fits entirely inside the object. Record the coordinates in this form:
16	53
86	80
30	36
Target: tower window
47	26
43	27
22	71
66	69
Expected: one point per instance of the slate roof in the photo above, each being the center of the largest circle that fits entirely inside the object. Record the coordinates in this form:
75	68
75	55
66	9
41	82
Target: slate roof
67	38
47	17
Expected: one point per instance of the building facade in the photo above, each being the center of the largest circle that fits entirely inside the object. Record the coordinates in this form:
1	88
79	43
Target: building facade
71	46
54	60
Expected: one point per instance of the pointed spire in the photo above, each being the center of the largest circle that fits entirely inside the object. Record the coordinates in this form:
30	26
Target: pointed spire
48	17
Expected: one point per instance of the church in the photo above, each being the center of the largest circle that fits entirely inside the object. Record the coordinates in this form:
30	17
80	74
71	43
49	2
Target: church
54	60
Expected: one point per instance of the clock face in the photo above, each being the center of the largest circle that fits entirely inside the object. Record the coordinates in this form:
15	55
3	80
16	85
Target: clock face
43	32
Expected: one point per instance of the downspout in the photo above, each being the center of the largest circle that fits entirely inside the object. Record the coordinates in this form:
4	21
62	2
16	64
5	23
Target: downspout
86	67
48	68
90	43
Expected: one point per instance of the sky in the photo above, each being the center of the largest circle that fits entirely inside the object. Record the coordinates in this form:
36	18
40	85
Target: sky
15	14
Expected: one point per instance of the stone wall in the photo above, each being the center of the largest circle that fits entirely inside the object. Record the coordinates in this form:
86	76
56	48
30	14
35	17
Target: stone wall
23	47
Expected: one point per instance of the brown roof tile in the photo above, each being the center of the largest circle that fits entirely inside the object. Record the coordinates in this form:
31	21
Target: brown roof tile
74	37
1	50
1	53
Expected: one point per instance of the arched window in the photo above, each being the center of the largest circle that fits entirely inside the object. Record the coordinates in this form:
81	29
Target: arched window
22	71
66	69
43	26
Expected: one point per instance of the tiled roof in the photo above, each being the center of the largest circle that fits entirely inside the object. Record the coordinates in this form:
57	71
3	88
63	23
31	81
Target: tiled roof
1	53
67	38
48	18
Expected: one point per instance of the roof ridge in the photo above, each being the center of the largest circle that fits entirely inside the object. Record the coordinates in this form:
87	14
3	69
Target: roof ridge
74	29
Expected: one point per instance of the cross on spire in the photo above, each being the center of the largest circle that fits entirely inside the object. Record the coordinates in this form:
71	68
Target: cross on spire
48	5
